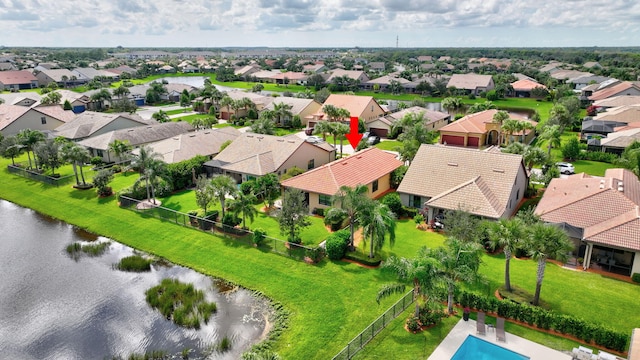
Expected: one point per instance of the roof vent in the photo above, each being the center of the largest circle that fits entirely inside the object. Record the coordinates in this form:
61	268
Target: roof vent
192	135
620	187
452	164
280	140
499	171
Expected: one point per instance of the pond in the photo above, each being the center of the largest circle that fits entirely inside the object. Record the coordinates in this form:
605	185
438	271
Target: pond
55	307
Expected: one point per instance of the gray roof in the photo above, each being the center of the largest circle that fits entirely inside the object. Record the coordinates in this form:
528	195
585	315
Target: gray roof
89	122
139	135
297	104
188	145
600	126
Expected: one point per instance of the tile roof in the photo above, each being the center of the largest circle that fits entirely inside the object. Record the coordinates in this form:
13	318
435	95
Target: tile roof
616	101
352	74
455	177
606	208
469	81
89	122
355	104
258	154
11	113
188	145
57	74
622	138
627	113
16	77
298	105
526	85
476	123
362	167
430	116
138	135
386	80
613	90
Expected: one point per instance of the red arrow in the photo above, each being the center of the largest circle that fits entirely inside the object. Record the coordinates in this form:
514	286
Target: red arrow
354	137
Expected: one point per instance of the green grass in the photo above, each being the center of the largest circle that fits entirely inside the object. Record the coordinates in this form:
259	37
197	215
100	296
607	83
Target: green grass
590	167
178	111
390	145
191	117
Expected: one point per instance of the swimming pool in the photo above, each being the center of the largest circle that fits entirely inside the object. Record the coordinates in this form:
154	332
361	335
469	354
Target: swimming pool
478	349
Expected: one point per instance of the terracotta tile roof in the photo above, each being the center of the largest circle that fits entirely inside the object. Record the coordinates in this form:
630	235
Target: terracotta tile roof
469	81
298	105
613	90
606	208
355	104
475	123
526	85
363	167
454	176
188	145
16	77
89	122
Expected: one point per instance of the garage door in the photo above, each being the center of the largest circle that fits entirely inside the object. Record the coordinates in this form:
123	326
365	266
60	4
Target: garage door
473	141
379	132
453	140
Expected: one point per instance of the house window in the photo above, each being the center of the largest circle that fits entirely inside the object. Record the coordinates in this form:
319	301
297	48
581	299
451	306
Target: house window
324	199
43	120
99	152
416	201
310	164
518	194
374	186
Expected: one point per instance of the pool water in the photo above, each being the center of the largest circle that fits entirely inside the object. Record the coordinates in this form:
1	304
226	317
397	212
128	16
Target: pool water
478	349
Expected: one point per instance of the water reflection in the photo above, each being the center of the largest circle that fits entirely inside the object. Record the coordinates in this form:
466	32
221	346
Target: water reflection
52	307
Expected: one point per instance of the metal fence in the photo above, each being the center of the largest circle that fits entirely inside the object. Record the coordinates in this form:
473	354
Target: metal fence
358	342
295	251
34	175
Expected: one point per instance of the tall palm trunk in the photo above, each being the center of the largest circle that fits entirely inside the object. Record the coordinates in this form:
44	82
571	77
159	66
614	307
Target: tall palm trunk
29	156
82	174
351	228
371	247
542	263
75	172
507	277
450	298
416	293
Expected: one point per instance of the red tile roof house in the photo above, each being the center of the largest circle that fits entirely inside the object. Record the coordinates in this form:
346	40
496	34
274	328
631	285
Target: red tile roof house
623	88
478	130
523	87
471	83
14	118
253	155
17	80
362	107
485	183
371	167
602	216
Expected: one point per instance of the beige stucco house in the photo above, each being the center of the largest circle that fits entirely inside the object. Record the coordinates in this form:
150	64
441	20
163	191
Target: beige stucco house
433	120
14	118
362	107
478	130
304	108
90	123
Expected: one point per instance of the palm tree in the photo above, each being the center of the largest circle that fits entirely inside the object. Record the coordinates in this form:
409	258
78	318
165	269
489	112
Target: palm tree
244	204
77	156
420	271
10	147
410	119
331	111
524	126
100	97
546	242
120	149
121	91
226	102
322	127
223	186
353	201
264	125
534	155
499	118
282	112
340	130
155	169
553	135
29	138
507	233
452	104
161	116
143	160
510	127
377	221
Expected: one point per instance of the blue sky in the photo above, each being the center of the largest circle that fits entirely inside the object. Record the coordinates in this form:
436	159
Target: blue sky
312	23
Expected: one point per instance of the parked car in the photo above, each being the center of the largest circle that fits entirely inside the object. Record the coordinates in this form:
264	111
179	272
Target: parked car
314	139
565	168
372	140
308	131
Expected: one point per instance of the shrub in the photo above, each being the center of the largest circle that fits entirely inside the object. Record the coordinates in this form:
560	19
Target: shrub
135	263
116	168
413	324
96	161
392	200
363	258
571	150
335	218
635	277
231	220
258	236
315	254
181	173
471	96
428	316
418	219
409	211
247	186
319	212
492	95
599	156
337	243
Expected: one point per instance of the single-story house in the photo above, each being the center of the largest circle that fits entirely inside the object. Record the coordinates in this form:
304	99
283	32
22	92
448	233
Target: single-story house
581	82
485	183
247	70
384	82
471	83
434	120
592	128
62	77
253	155
624	88
17	80
260	101
617	141
14	118
371	167
362	107
91	123
479	129
626	114
89	73
290	77
357	75
135	136
602	216
616	101
304	108
188	145
523	87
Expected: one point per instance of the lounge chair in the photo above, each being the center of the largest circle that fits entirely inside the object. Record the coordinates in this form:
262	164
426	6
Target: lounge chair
481	329
500	336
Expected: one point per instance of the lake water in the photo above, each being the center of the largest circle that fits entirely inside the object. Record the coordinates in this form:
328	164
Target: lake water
55	307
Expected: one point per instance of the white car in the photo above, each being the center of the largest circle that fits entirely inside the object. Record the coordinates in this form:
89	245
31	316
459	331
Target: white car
565	168
314	139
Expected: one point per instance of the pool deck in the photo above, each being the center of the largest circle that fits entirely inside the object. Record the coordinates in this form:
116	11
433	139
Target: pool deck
459	333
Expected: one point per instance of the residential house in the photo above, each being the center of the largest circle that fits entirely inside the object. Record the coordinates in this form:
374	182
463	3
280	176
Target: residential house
254	155
79	101
616	101
91	123
581	82
314	69
601	216
174	90
122	69
135	136
377	66
247	70
7	66
485	183
598	128
522	88
88	74
359	76
624	88
592	65
14	118
259	101
384	82
471	83
567	75
362	107
626	114
479	129
434	120
616	142
304	108
425	58
62	77
290	77
17	80
188	145
371	167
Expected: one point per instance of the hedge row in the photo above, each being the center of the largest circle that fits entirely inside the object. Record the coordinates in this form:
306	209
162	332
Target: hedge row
598	156
545	319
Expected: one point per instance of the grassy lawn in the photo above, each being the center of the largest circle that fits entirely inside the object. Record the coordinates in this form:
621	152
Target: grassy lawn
284	132
178	111
190	118
390	145
590	167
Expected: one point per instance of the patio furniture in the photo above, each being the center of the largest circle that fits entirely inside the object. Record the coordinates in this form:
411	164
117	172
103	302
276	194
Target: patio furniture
500	335
480	327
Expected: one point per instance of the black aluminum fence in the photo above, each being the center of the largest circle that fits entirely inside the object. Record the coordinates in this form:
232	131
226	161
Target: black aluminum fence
358	342
295	251
34	175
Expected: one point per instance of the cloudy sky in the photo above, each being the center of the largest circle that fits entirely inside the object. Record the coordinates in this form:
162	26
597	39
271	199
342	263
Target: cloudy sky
317	23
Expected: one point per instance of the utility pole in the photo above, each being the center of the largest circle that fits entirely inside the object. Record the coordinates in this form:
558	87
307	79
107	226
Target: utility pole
396	41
